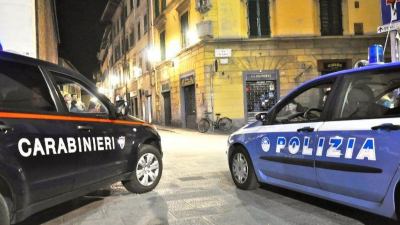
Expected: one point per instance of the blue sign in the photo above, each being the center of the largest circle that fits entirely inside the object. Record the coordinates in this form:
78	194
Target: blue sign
386	12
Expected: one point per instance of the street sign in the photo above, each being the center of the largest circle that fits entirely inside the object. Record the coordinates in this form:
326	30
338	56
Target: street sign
389	27
386	11
223	53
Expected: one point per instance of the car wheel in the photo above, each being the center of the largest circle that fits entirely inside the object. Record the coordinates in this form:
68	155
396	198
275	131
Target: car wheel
242	170
147	172
4	212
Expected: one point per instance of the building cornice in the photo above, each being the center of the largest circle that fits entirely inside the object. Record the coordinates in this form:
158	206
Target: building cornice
109	11
293	38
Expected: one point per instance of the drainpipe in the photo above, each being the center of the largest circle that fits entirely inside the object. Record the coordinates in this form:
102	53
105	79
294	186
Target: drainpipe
151	40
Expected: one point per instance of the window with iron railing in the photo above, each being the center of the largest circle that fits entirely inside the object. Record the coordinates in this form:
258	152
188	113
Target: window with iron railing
331	17
184	29
259	21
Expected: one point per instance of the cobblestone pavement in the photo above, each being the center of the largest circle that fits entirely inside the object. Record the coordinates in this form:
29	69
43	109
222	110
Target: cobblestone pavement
196	188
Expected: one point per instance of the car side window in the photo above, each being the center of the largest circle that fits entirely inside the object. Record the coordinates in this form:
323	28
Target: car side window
23	88
367	96
306	106
77	98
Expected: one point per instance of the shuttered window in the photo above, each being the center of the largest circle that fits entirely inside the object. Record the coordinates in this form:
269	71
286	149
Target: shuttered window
162	45
331	17
184	29
258	11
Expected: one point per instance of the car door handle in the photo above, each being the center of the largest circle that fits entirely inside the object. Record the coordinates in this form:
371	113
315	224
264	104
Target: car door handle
5	128
305	129
85	128
386	126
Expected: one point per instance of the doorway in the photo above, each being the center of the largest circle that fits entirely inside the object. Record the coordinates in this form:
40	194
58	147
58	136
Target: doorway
167	108
189	95
134	110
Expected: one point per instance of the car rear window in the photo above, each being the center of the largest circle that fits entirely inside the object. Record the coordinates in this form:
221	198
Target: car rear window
23	88
373	95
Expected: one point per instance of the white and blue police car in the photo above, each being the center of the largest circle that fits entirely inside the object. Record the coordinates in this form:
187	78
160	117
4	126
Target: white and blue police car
336	137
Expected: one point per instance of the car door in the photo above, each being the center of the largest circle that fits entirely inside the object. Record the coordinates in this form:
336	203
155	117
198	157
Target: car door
361	153
101	146
30	128
287	146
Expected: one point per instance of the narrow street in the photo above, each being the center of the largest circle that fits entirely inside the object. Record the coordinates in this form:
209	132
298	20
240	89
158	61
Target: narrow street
196	188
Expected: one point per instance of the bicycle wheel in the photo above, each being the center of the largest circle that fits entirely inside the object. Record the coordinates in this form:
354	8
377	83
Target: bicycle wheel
225	124
203	125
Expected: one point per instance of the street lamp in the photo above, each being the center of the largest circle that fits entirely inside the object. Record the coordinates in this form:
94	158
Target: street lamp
193	37
173	48
153	55
137	72
102	90
113	80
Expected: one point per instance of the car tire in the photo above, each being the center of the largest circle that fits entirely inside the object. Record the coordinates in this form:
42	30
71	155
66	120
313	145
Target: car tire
242	170
146	174
4	212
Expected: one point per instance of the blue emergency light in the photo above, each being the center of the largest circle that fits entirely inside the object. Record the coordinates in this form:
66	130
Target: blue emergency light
1	47
375	54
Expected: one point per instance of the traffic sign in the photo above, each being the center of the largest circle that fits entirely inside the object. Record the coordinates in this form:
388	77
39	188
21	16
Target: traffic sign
387	11
389	27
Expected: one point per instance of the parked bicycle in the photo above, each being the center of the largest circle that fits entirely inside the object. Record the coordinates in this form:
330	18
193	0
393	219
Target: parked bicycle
224	123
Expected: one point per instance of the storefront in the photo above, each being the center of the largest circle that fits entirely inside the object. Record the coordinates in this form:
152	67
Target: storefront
261	92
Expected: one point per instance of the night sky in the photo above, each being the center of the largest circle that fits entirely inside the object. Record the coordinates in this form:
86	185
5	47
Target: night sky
80	32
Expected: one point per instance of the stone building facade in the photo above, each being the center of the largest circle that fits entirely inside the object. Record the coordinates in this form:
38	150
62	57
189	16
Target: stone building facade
124	67
238	58
275	66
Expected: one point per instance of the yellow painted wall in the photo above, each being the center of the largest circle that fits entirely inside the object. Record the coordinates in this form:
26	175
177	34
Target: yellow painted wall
229	18
368	13
229	21
228	94
293	20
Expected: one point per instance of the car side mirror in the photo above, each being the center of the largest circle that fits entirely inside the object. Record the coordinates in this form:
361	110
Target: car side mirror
122	108
263	117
